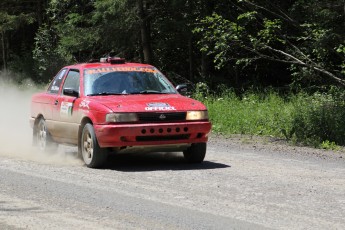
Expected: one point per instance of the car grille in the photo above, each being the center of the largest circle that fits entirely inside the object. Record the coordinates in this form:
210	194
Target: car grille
162	117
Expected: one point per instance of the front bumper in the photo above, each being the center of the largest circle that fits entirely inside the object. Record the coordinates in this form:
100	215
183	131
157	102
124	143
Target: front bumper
122	135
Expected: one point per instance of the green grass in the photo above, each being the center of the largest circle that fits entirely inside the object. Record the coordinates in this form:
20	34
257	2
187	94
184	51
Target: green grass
252	114
317	119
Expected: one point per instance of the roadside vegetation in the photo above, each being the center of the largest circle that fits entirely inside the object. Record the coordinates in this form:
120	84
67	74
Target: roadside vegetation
314	119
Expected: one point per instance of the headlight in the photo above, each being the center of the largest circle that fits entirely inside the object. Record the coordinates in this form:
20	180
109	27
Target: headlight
197	115
121	117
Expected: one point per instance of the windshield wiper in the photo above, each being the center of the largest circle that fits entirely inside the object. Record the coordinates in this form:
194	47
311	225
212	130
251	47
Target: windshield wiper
105	94
148	92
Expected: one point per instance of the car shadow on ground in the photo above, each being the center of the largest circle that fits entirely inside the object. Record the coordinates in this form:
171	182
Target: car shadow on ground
138	162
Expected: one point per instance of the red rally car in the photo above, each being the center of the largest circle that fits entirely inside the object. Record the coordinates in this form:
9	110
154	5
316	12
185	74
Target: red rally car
115	106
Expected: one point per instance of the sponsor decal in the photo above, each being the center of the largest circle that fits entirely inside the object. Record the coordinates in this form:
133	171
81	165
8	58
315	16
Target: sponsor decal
66	108
158	104
84	105
159	107
121	69
55	88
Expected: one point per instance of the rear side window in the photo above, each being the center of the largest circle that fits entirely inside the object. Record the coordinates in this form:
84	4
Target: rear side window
56	83
72	80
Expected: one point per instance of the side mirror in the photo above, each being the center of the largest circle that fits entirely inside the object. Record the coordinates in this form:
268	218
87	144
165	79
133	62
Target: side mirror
70	92
182	89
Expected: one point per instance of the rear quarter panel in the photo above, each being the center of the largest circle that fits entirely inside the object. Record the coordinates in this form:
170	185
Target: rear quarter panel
41	104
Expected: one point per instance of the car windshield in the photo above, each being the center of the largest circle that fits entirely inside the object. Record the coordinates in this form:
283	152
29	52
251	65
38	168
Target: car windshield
126	80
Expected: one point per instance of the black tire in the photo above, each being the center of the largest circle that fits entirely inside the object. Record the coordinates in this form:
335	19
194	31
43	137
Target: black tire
196	153
42	138
93	155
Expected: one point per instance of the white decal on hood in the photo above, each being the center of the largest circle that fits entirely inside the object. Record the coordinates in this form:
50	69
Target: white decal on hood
159	106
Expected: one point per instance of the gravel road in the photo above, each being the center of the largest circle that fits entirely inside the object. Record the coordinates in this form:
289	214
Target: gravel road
241	185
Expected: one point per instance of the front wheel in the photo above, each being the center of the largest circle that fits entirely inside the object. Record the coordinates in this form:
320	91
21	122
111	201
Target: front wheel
93	155
195	153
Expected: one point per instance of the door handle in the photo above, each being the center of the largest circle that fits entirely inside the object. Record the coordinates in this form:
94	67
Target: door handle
56	102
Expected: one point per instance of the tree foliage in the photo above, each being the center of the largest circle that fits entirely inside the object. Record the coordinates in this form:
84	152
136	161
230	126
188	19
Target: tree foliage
239	43
259	31
13	17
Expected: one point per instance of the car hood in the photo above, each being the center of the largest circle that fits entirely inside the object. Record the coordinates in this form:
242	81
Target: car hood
147	103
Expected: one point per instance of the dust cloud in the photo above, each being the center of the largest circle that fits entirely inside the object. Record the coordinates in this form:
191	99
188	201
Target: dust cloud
15	129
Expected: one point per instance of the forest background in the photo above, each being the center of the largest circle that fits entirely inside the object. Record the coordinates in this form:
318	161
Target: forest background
263	67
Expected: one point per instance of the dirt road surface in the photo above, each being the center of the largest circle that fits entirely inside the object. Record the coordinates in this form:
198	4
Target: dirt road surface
241	185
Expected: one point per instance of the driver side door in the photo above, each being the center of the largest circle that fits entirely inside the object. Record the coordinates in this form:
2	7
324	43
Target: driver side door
66	111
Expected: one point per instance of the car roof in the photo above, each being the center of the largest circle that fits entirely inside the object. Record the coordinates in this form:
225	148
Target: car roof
103	65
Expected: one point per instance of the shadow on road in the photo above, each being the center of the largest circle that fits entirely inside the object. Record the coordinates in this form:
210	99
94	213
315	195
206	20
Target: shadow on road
137	162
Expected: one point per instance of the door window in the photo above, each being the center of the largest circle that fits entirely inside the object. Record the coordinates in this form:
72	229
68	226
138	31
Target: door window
72	80
56	83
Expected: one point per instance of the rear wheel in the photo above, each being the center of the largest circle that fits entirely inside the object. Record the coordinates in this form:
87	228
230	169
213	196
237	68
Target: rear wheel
195	153
42	137
93	155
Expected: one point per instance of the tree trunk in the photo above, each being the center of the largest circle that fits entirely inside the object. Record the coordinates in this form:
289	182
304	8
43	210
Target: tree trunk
3	50
39	13
191	20
207	9
145	32
191	58
204	64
